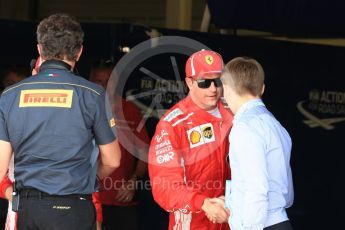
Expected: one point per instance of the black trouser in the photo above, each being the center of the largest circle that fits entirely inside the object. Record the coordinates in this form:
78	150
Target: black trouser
40	211
119	217
286	225
3	212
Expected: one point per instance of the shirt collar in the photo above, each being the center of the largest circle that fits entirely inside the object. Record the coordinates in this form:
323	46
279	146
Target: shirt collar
226	114
249	104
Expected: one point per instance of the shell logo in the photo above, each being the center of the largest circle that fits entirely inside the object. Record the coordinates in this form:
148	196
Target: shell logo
195	137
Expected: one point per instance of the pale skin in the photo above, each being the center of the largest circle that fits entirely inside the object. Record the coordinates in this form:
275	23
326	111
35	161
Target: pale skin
8	193
111	156
215	211
234	100
206	99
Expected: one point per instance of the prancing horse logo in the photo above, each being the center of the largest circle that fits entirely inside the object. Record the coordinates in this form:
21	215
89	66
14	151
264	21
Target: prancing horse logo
209	59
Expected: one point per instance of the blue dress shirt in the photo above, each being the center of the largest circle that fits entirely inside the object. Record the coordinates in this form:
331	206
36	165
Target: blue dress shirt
261	185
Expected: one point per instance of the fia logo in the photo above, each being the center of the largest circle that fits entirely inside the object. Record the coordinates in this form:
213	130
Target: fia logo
321	104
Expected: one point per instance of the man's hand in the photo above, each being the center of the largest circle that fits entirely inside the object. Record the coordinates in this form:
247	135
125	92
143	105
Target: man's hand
215	210
98	225
110	158
127	191
8	193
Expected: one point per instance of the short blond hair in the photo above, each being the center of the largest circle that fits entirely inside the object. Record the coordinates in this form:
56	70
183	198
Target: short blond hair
246	76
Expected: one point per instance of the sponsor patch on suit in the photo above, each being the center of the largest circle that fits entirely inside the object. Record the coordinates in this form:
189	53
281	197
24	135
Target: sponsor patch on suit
61	98
200	135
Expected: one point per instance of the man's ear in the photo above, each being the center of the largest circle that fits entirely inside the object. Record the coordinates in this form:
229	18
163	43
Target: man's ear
39	49
189	82
263	89
79	53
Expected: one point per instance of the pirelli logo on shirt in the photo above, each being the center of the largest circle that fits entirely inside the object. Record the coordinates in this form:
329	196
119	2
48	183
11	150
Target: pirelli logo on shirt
61	98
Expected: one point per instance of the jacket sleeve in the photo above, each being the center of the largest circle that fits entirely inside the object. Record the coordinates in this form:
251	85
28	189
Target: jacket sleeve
167	172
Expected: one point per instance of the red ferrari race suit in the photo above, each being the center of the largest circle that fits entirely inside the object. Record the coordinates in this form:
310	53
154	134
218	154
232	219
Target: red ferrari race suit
188	163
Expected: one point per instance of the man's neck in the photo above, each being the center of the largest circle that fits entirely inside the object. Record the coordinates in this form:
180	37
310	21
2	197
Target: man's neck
71	63
241	100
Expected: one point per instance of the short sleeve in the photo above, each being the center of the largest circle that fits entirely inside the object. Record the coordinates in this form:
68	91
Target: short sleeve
104	125
3	129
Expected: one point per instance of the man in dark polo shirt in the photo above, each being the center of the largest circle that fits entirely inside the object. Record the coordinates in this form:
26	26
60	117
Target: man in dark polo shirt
52	122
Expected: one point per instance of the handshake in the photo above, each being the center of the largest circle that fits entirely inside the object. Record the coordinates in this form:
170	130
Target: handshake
215	210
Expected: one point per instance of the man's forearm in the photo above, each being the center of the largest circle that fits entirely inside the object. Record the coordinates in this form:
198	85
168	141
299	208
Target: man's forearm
104	170
110	158
6	154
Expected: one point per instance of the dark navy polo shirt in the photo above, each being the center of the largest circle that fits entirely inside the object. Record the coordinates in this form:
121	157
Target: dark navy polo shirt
51	120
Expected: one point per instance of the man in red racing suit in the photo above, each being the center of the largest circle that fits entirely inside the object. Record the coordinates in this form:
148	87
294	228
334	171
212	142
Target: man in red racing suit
188	153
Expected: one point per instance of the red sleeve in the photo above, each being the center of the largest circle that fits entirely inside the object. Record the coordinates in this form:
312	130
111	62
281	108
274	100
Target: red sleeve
167	174
4	184
96	201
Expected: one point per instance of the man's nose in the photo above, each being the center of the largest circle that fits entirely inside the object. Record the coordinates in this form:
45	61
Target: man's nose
213	86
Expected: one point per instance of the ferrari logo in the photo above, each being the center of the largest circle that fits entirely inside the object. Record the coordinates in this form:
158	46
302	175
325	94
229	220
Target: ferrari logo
209	59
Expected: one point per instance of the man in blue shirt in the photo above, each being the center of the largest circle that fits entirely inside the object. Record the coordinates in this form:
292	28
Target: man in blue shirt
261	185
52	121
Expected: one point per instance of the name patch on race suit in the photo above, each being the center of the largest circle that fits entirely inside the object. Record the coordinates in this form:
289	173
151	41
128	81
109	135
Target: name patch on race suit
61	98
173	114
200	135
